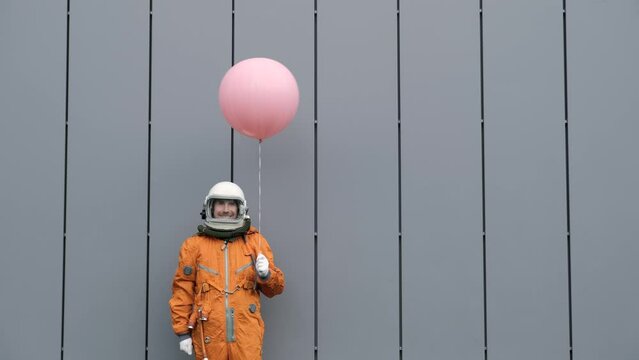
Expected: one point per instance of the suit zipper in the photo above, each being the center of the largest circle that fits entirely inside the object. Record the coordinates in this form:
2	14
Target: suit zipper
230	334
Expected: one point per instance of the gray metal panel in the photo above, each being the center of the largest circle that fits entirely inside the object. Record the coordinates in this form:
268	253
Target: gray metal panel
190	141
107	180
358	248
603	89
283	30
527	281
442	257
32	111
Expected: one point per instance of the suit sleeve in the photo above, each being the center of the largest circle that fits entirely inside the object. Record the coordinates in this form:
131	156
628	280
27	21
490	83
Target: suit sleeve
181	302
274	283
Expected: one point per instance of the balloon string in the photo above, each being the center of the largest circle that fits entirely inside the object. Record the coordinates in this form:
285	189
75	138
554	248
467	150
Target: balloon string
259	192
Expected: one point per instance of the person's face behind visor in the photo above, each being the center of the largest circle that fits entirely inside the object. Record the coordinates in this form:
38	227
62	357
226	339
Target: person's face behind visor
225	209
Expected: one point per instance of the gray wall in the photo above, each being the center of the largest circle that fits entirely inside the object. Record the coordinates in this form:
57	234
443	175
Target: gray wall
459	181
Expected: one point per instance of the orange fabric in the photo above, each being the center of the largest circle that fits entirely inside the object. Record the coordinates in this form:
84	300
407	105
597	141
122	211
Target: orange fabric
204	287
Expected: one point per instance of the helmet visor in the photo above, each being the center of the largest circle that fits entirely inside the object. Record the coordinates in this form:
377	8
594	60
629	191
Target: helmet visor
223	209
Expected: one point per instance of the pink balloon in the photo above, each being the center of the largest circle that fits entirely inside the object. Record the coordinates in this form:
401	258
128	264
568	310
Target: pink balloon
259	97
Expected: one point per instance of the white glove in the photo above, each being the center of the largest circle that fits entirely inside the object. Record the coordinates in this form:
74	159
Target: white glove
186	345
261	265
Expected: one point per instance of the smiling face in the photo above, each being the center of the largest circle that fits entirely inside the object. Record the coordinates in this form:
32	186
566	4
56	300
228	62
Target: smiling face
225	209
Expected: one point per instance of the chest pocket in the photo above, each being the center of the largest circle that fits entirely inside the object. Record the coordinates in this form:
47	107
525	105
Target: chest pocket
244	267
245	274
209	270
209	275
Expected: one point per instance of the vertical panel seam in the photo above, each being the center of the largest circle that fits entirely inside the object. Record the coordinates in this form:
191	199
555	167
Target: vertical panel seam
148	184
64	206
399	184
483	172
567	154
315	207
481	55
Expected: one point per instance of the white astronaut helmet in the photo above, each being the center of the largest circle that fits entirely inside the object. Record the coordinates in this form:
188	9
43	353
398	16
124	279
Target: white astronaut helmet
224	190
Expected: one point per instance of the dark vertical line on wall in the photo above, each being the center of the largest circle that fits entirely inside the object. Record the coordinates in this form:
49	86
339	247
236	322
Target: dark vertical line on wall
232	152
483	171
568	235
232	32
399	185
483	178
148	185
66	166
232	63
315	263
565	65
481	55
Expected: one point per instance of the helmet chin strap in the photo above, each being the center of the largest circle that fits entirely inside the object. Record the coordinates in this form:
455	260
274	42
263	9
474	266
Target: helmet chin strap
219	224
225	234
